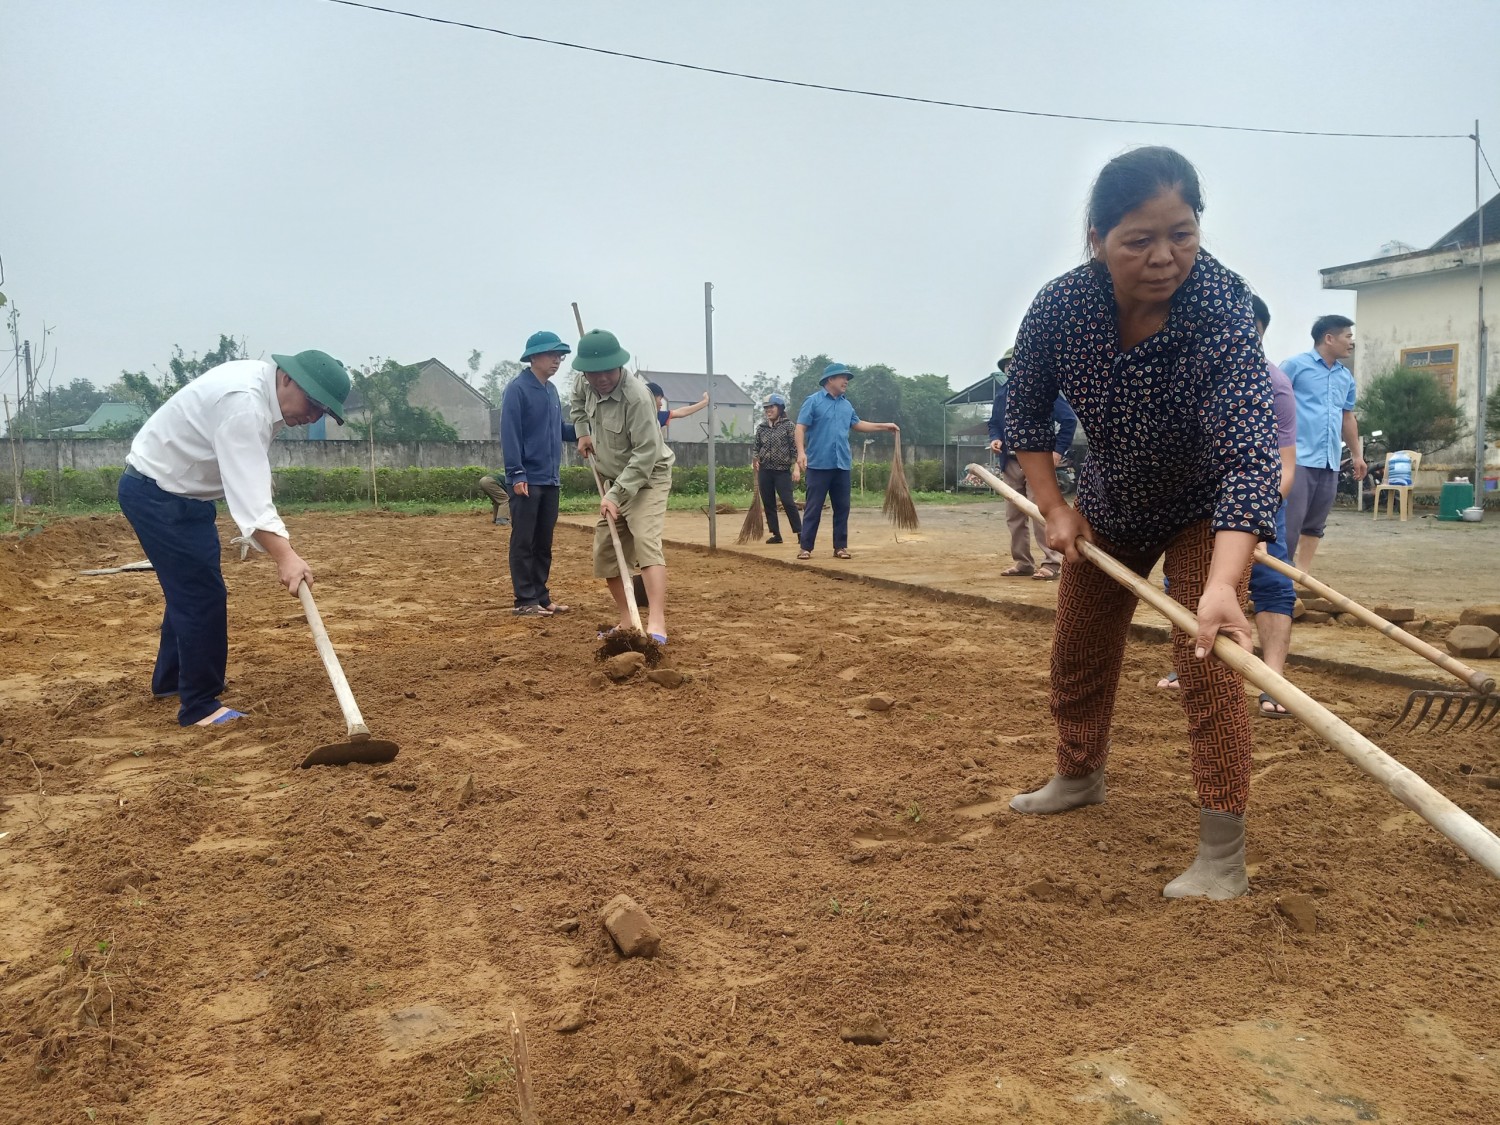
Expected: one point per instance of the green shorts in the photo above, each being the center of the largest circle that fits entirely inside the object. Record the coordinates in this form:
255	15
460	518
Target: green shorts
642	520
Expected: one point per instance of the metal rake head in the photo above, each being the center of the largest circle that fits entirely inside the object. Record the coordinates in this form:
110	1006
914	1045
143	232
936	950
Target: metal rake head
1481	709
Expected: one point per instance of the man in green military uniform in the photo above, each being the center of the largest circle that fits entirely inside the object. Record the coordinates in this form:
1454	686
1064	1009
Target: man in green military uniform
615	417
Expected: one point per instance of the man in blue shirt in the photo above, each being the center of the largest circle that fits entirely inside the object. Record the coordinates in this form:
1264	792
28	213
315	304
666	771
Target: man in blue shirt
531	433
823	426
1011	472
1325	413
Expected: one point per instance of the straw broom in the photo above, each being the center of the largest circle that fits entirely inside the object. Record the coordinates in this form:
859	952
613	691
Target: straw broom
898	506
755	522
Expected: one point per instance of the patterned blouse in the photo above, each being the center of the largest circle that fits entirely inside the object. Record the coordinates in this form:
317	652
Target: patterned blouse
1180	427
776	446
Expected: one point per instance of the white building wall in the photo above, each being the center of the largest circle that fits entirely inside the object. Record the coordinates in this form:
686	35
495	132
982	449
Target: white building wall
1428	310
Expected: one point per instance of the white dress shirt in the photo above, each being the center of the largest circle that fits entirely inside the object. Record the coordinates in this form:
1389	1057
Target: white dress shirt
212	441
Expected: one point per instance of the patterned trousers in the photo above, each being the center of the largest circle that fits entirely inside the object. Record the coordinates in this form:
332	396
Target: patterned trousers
1093	618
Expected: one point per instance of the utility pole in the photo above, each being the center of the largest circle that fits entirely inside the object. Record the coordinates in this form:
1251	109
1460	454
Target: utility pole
708	347
1480	388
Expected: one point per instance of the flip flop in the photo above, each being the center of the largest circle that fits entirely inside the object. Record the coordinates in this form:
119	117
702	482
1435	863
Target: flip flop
1168	682
226	717
1047	572
1265	697
659	638
605	634
532	611
1017	571
842	554
556	607
804	554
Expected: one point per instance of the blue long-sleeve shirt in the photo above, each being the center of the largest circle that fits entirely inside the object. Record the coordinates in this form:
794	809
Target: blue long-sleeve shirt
1062	416
532	431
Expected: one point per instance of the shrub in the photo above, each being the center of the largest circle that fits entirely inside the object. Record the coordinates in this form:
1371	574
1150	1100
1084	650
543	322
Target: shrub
1413	411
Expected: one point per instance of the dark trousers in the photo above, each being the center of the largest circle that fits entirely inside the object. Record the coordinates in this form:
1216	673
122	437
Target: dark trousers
532	519
778	483
180	539
829	484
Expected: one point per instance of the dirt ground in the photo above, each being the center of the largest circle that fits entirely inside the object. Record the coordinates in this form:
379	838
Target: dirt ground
1436	568
194	930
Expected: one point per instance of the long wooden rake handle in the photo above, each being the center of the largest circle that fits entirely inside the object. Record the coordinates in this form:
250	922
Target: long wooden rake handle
1467	834
1478	681
358	732
614	534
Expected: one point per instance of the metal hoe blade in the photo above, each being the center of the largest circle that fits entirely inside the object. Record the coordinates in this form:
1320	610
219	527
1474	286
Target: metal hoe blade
1485	709
369	751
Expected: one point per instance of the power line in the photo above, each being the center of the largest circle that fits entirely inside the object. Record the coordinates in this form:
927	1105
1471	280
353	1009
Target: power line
1487	162
895	97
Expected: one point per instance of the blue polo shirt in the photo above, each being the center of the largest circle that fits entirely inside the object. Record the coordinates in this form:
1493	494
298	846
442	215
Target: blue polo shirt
1323	393
532	431
827	420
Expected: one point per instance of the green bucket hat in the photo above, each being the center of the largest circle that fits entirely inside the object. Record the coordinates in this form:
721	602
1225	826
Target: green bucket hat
321	376
544	343
599	351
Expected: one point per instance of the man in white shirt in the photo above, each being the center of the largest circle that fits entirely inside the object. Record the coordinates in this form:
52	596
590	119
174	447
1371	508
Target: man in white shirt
211	441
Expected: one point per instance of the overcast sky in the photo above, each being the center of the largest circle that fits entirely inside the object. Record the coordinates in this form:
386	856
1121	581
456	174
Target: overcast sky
307	175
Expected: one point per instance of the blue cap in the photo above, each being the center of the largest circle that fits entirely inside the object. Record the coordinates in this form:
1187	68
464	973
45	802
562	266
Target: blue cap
543	343
835	369
777	400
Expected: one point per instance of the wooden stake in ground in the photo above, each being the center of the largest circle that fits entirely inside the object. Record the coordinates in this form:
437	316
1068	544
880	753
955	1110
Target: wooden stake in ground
374	493
755	521
898	505
15	467
525	1107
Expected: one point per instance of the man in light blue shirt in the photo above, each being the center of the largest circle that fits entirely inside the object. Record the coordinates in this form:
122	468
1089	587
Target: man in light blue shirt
1325	414
823	426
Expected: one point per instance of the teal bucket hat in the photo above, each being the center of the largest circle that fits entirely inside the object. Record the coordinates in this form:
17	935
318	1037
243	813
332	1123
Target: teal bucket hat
544	343
599	351
835	369
321	376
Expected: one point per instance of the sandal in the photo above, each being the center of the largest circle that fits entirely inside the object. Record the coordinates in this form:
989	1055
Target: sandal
804	554
1169	681
1047	572
556	607
532	610
1277	711
1017	570
841	553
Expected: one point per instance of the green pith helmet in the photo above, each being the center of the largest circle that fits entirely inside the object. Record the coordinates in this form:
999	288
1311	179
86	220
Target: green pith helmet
1004	364
544	343
599	351
321	376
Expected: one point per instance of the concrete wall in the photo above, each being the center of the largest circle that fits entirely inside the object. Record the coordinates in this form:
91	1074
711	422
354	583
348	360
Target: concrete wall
43	453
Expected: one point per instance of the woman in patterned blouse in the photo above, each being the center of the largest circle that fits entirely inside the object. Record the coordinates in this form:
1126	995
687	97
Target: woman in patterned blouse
775	465
1153	344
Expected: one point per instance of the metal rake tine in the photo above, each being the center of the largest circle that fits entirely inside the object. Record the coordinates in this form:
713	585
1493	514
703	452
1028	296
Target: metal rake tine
1463	705
1447	698
1489	707
1410	703
1427	698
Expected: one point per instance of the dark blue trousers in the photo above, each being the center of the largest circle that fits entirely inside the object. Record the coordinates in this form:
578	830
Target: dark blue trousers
182	543
830	484
532	519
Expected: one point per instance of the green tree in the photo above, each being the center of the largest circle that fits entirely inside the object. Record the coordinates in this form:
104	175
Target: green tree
763	386
922	409
1492	415
495	379
385	395
149	393
66	405
1413	411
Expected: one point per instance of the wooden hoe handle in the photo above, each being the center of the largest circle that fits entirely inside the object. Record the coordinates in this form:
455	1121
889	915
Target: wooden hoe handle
358	732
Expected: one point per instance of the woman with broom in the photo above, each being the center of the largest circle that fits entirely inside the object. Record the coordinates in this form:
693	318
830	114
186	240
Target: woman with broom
1153	343
775	465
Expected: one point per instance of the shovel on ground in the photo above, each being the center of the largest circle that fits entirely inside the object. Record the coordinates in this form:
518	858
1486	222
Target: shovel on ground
359	746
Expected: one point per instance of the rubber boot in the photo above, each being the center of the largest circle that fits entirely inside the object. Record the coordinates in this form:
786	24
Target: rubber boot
1219	870
1061	794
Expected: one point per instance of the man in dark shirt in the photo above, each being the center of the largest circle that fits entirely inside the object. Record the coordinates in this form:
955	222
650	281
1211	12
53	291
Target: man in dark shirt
1011	472
532	432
